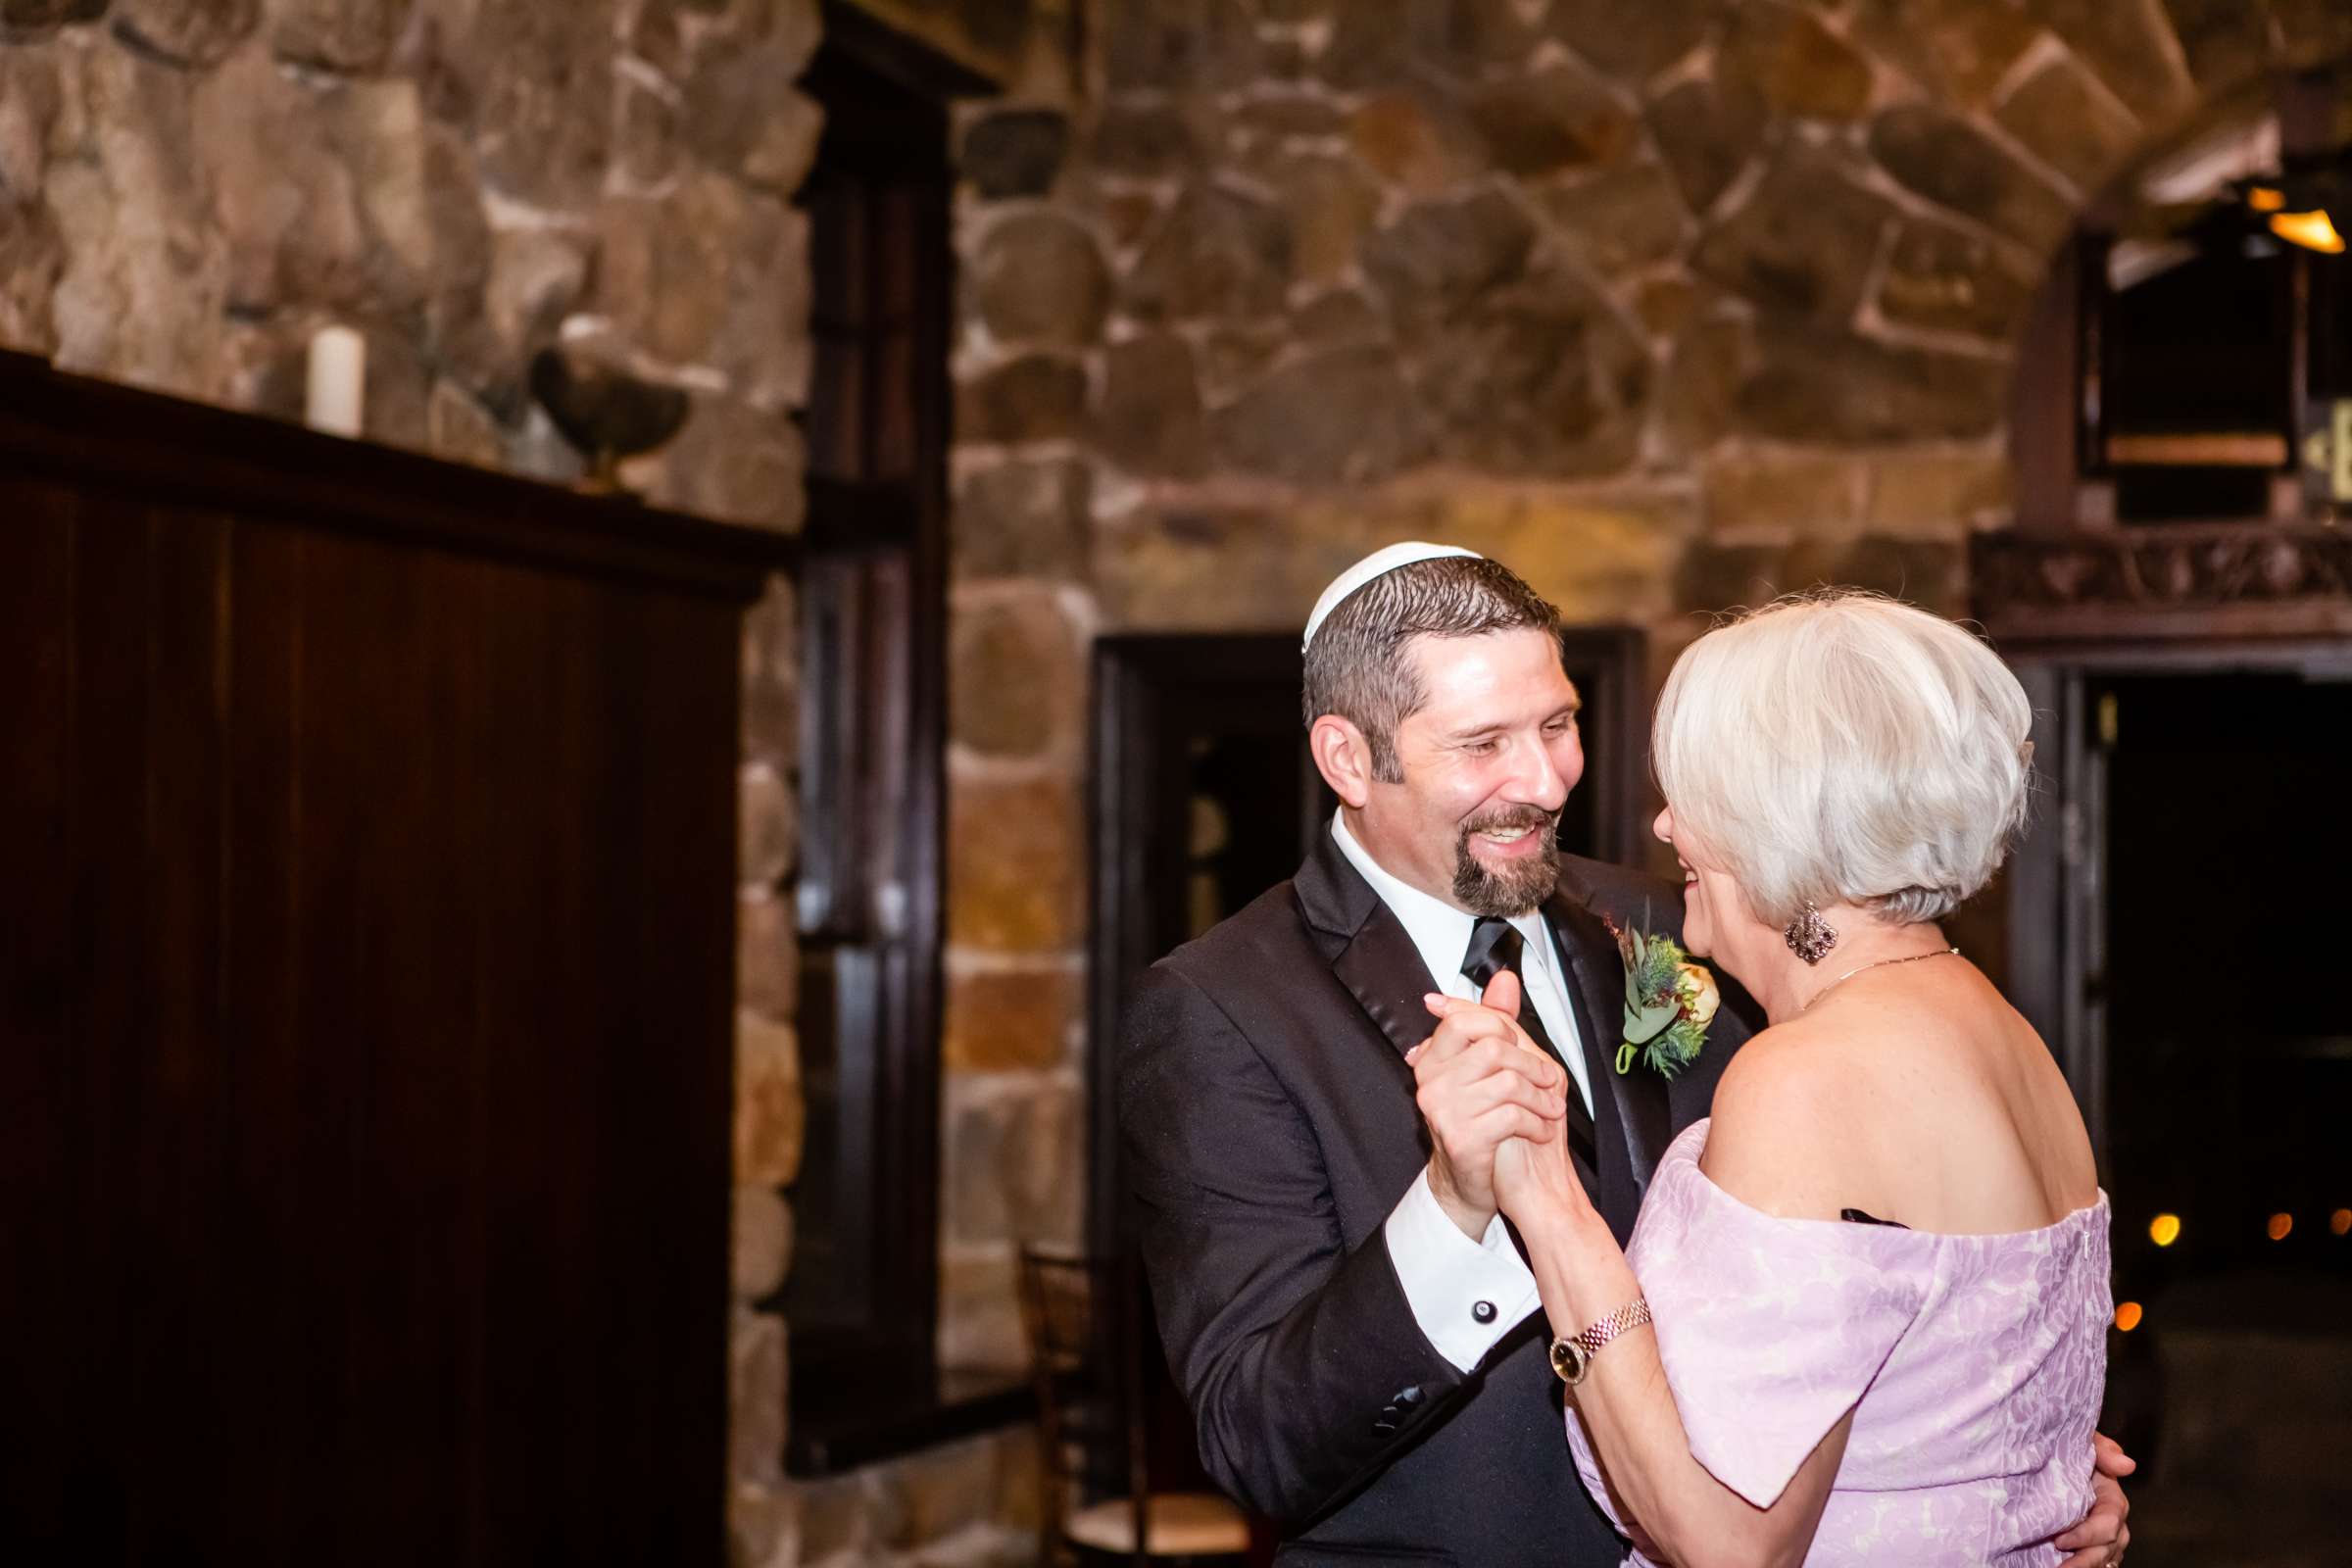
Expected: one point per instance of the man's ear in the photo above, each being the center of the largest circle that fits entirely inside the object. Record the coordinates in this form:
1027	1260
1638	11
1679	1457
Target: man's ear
1344	757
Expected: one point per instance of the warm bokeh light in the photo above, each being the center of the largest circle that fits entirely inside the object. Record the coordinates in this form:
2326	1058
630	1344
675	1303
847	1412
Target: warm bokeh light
2126	1315
2280	1225
2265	199
2165	1229
2340	1221
2312	231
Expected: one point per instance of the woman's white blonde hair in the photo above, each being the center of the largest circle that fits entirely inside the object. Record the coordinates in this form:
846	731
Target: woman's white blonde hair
1840	746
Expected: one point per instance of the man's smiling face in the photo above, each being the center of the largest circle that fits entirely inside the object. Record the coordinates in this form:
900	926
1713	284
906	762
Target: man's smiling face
1488	760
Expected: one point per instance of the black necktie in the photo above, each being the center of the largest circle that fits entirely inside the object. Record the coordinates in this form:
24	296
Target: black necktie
1496	946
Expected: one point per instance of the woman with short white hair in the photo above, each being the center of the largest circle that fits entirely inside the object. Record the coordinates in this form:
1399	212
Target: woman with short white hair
1862	1319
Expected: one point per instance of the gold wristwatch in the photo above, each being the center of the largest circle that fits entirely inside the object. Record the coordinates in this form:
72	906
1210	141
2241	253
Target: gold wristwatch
1571	1356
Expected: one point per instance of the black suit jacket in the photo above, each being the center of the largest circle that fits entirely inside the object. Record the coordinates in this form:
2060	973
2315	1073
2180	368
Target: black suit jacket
1269	1130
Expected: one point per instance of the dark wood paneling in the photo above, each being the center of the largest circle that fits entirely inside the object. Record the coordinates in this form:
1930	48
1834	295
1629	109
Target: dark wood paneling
366	985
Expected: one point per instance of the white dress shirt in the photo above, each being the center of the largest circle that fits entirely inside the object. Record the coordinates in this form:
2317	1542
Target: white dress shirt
1465	1295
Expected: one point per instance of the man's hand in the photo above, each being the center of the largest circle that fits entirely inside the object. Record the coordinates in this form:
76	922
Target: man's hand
1479	1087
2098	1541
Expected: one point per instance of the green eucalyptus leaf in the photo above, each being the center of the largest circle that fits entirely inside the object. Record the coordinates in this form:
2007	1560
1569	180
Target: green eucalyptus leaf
1643	1026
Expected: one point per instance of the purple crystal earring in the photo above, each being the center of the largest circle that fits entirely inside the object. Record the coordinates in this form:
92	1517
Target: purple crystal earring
1809	936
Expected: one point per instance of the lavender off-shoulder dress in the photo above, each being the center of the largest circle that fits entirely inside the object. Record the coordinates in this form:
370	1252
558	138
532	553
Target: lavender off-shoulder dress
1974	1364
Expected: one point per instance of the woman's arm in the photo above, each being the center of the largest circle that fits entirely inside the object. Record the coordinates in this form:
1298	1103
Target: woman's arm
1628	1409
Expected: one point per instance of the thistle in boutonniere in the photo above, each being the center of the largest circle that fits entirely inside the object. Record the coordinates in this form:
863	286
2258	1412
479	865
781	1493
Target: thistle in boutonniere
1669	1002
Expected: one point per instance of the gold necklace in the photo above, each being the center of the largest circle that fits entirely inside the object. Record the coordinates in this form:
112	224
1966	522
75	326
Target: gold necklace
1908	958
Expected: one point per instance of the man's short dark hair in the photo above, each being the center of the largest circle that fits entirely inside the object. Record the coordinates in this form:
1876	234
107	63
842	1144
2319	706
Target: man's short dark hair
1359	666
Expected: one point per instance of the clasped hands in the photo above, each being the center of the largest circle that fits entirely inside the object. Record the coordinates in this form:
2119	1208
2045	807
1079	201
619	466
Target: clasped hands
1496	1107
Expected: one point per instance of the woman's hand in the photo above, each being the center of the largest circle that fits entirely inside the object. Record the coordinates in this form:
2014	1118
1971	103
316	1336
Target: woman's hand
1533	1181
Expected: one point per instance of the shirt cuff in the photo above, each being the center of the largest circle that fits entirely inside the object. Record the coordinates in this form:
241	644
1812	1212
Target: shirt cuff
1465	1295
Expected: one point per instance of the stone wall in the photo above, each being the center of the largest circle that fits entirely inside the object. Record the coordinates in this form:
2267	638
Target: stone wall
1670	303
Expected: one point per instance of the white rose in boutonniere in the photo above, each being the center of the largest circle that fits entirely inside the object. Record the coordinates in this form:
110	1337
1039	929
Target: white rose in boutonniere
1669	1002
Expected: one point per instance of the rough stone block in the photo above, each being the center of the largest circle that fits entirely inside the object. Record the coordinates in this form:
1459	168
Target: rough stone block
32	257
1783	493
1698	401
144	289
771	659
1015	865
1712	577
734	463
763	1241
1009	1020
979	1311
1370	44
1948	160
2225	41
2129	44
1332	204
1943	278
185	32
738	117
767	954
835	1518
1707	130
1960	50
458	427
1541	378
1037	277
1218	253
539	83
1620	221
768	830
770	1115
1929	573
1804	241
2065	118
1813	386
1015	152
1632	38
1440	256
1343	415
1798	62
762	1526
1035	397
346	35
1017	675
938	1492
1151	421
31	16
1418	138
1026	517
1937	493
1556	120
756	1398
1144	141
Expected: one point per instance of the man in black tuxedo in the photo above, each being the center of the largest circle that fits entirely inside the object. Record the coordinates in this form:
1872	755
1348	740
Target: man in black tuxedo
1361	1345
1357	1336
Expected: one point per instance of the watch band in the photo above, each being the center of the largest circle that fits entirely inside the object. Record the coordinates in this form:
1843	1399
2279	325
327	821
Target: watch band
1572	1354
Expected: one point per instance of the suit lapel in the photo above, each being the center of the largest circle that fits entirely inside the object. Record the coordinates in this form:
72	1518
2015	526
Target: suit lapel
1371	954
1632	1115
1374	957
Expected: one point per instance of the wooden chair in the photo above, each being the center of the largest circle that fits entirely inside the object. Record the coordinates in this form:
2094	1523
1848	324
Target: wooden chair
1087	1362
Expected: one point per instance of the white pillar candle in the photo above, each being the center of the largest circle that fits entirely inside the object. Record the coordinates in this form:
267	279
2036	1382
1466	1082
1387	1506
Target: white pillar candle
338	380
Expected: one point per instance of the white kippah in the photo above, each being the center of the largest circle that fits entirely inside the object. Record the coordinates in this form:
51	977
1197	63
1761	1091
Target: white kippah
1379	563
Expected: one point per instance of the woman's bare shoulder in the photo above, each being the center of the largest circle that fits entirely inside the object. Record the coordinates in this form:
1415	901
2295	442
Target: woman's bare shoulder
1775	1137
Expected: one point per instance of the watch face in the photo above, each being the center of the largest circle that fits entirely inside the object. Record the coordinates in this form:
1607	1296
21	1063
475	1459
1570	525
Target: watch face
1569	1360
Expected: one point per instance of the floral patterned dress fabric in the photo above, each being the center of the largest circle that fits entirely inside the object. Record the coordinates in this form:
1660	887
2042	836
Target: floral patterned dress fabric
1975	1366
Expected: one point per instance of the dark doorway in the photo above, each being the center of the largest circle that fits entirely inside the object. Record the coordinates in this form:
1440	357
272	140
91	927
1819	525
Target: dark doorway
2198	843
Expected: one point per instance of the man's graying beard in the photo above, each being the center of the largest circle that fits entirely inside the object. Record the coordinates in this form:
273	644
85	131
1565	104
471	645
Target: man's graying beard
1519	889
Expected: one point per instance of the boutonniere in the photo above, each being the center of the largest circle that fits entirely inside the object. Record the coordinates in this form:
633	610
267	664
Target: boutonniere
1669	1002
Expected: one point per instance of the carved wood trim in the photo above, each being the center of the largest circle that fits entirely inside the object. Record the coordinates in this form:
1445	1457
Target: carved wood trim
2177	582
